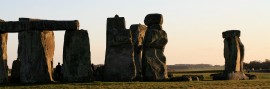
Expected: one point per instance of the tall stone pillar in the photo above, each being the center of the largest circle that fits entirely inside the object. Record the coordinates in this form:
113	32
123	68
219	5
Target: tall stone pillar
119	62
3	57
77	57
138	32
153	59
234	55
36	51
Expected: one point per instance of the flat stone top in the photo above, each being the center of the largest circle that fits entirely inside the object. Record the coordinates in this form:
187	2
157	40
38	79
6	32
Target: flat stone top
231	33
116	22
152	19
27	24
28	19
116	17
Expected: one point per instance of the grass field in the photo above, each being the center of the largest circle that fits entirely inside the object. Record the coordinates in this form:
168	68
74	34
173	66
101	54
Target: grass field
262	82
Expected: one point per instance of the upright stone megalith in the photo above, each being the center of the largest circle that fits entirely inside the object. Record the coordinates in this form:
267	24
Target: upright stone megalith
234	55
3	57
119	62
36	51
77	56
153	59
138	32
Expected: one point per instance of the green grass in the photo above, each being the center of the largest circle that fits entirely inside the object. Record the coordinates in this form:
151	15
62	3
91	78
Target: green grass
154	85
262	76
262	82
196	84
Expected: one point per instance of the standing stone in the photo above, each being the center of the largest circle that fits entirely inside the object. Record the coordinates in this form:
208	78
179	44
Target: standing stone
77	56
153	59
234	55
15	71
47	38
119	62
3	57
36	51
138	32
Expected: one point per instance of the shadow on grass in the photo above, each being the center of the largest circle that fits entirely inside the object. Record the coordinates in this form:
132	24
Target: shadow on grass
47	83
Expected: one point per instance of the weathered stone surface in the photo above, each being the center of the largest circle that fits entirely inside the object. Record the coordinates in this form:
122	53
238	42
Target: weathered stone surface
237	76
119	62
35	52
153	58
233	54
76	57
15	72
47	39
152	19
116	23
138	32
27	24
3	58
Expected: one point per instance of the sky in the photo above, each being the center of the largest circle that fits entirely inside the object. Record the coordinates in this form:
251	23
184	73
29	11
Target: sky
194	27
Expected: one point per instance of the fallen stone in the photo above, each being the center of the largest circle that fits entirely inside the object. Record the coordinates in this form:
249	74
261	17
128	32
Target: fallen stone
251	77
186	78
77	57
35	52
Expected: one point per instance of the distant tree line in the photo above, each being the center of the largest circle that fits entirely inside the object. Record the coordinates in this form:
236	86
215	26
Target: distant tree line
191	66
257	65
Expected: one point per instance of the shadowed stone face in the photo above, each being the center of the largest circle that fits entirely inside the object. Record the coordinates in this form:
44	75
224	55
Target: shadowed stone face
77	57
234	54
35	52
119	62
153	59
3	58
138	32
15	72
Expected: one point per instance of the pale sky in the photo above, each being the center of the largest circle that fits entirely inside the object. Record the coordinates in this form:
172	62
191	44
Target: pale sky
194	27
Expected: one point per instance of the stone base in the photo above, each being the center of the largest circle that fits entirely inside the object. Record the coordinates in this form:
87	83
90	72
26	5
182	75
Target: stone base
237	76
154	65
3	71
15	72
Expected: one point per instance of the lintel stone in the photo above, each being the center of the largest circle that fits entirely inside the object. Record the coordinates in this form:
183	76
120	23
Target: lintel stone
26	24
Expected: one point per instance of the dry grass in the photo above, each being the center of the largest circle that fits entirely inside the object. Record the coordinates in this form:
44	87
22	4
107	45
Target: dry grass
187	85
262	82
